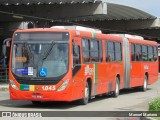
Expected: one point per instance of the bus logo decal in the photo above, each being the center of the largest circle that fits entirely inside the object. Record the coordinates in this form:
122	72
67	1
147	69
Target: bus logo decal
88	70
146	67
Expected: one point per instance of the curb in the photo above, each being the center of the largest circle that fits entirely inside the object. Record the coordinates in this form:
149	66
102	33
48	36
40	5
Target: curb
4	87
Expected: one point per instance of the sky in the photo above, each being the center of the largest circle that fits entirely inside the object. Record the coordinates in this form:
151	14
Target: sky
149	6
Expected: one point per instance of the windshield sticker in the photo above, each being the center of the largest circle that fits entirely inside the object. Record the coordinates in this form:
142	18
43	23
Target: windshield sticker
43	72
21	71
30	70
21	59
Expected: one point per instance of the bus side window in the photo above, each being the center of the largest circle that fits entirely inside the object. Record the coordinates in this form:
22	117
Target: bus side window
150	53
100	50
155	53
118	51
94	51
144	53
76	55
110	51
138	53
133	53
108	57
85	49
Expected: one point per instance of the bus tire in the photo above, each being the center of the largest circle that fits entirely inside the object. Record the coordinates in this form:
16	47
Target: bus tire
85	100
36	102
145	83
116	92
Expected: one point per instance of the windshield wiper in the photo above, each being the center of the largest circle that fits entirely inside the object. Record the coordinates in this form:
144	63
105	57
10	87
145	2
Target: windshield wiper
28	50
48	51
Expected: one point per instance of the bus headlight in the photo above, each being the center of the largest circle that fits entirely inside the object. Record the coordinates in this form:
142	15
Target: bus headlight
64	85
13	84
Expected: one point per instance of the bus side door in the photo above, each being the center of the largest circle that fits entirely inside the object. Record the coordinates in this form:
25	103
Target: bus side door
136	66
77	72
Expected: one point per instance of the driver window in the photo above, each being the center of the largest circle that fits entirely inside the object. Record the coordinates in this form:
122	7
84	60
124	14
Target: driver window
76	55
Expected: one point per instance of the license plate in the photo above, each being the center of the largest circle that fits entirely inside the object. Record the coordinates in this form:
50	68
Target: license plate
35	95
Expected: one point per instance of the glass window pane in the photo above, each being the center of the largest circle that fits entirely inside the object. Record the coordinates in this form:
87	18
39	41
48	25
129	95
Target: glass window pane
133	53
85	48
85	45
76	55
100	50
138	53
118	56
111	56
144	53
110	46
94	51
117	47
150	53
155	53
118	53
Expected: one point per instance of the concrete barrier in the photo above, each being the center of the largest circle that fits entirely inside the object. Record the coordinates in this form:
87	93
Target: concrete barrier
4	87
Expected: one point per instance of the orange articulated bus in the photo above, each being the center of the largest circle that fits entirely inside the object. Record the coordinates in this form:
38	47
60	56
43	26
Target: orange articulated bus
60	64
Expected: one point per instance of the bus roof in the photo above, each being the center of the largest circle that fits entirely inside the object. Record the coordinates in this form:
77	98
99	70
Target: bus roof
129	36
80	28
90	34
41	30
145	42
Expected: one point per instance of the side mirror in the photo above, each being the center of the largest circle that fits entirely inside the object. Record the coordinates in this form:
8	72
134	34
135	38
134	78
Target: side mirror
6	43
4	50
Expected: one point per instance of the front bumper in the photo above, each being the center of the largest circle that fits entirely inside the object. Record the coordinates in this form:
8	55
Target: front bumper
65	95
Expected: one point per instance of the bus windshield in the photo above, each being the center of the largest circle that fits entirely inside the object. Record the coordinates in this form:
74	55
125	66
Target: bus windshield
36	57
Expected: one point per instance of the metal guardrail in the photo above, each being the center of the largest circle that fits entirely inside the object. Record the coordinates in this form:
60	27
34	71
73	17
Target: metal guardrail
4	75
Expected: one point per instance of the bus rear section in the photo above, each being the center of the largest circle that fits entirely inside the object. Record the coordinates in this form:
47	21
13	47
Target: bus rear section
144	63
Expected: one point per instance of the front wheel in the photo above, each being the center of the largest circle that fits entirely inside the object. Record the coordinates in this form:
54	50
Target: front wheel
85	100
116	92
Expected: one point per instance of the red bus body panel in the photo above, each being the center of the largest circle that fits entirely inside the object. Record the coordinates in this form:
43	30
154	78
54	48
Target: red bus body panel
103	75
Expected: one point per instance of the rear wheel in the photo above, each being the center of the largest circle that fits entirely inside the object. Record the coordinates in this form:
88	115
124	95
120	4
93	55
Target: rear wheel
36	102
85	100
145	84
116	92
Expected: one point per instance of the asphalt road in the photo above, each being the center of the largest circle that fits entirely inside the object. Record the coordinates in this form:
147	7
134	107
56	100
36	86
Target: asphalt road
128	100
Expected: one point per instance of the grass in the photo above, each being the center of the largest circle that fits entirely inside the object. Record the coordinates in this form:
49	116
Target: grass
154	105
